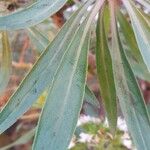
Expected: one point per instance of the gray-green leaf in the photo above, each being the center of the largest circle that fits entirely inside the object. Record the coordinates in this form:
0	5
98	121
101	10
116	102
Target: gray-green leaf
42	73
32	15
60	113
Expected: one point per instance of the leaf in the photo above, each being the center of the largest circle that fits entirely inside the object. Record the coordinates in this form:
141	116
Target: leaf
91	107
66	93
32	15
137	63
141	31
141	71
106	19
5	68
21	140
105	73
127	32
42	73
130	98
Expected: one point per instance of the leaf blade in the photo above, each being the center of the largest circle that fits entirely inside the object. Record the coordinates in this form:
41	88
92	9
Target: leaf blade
75	86
92	106
32	15
71	100
30	89
5	68
128	92
132	52
141	31
105	73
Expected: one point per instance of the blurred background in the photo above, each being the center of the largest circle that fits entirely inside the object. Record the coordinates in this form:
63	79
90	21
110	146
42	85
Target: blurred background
92	132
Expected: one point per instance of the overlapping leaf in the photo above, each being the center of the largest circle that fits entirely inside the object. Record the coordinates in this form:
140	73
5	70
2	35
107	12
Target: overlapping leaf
105	73
42	74
92	106
5	66
141	31
133	52
66	93
32	15
128	92
61	110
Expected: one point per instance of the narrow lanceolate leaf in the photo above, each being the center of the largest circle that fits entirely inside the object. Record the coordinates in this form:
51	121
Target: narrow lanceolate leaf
133	52
66	95
92	106
141	31
105	74
42	73
127	32
32	15
5	66
128	92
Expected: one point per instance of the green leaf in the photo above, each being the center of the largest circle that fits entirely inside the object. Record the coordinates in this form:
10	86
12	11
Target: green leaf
133	52
32	15
141	31
105	73
66	94
140	71
127	32
42	73
130	98
106	19
90	107
91	103
5	68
